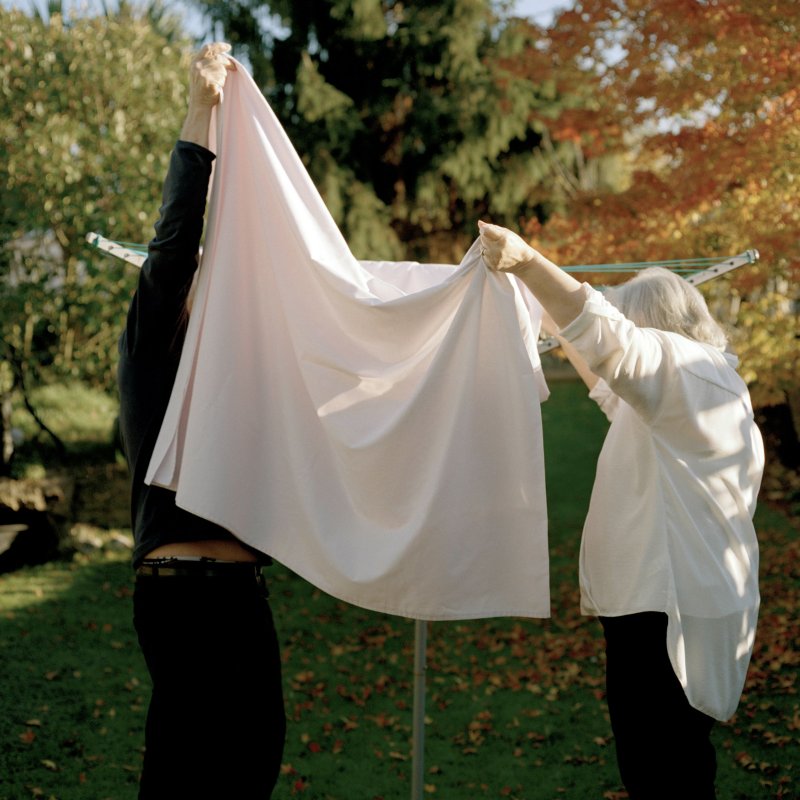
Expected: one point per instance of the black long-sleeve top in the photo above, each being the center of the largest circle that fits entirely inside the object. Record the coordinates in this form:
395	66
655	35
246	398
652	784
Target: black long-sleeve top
150	350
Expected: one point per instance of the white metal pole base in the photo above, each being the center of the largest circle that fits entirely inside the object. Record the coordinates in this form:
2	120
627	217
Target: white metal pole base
418	723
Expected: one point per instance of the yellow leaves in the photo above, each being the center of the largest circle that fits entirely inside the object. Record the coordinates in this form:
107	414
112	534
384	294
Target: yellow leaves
305	676
476	732
349	724
119	124
747	762
602	741
384	720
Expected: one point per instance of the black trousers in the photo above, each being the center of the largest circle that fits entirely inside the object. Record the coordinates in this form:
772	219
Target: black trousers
216	724
664	749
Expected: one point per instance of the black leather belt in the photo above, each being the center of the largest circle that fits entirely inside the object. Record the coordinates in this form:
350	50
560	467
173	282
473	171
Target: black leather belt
202	568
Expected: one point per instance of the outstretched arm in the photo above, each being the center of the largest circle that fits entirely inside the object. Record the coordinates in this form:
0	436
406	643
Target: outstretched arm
157	314
557	291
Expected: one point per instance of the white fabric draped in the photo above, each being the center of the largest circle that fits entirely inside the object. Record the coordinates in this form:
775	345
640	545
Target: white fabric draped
374	426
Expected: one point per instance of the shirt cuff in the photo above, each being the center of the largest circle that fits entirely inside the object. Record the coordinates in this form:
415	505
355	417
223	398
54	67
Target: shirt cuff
181	144
600	392
603	395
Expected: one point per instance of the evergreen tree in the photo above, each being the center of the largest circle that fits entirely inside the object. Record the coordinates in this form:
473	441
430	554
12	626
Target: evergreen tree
410	116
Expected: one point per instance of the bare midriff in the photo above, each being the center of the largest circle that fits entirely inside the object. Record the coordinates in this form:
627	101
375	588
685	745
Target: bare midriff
219	549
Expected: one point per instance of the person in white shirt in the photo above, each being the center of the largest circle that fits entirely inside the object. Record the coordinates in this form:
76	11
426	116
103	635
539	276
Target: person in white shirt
669	556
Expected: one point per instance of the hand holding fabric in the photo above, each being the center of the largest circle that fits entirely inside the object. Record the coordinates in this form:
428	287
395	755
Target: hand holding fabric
502	249
208	73
559	293
207	77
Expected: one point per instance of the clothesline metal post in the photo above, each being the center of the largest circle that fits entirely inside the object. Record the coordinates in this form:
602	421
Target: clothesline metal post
418	720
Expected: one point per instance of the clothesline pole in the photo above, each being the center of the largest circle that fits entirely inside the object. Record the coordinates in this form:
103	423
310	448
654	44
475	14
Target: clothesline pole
418	721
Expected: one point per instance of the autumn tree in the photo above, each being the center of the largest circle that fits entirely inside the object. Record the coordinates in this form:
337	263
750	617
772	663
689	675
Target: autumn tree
710	108
90	111
407	115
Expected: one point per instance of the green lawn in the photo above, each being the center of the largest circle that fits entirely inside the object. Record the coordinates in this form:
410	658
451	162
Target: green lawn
515	707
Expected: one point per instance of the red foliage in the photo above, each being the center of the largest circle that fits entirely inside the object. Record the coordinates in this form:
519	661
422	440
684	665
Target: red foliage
703	98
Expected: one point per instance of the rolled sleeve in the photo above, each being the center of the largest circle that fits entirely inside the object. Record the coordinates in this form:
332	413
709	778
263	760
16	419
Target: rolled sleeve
602	395
632	361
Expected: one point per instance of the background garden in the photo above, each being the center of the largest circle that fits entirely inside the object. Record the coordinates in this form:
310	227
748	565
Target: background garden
621	131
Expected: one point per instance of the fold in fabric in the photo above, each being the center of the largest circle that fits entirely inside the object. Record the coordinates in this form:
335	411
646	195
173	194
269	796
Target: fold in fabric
375	426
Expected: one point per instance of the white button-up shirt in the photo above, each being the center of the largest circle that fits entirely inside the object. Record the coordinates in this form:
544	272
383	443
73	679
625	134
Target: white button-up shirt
670	526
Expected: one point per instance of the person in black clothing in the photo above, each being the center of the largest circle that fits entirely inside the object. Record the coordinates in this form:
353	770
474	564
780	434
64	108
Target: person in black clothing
215	724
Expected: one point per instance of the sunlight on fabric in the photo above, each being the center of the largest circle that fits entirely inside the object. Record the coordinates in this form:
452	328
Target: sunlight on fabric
368	388
739	568
747	637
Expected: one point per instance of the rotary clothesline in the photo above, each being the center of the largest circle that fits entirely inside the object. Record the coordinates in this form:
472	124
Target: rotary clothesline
693	270
135	253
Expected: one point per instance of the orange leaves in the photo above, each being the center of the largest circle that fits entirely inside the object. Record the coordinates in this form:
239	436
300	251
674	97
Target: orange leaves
747	762
703	100
383	720
700	61
28	737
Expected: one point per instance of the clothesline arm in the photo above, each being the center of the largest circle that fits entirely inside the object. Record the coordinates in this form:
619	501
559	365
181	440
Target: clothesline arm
136	254
714	271
121	250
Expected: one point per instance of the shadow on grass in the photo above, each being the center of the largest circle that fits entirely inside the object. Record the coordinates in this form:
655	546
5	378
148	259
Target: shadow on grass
73	705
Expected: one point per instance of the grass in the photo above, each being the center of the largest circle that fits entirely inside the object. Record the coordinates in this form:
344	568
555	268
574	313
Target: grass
514	709
81	417
76	413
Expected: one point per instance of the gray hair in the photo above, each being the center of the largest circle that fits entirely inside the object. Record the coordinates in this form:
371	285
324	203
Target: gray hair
658	298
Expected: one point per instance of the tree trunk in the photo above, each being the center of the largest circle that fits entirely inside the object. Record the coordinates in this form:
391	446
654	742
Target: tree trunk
793	401
6	437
